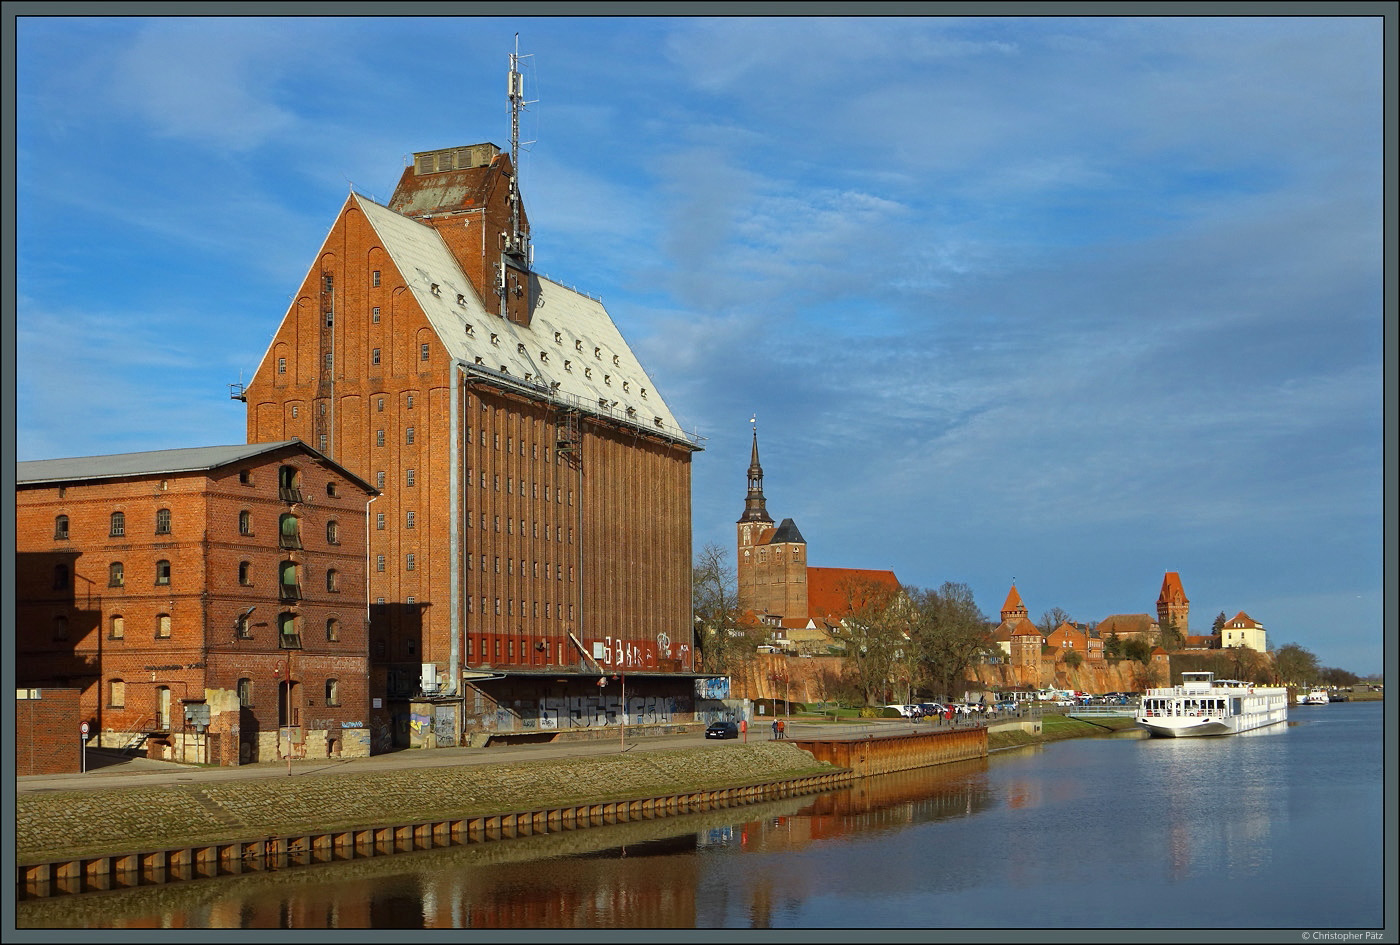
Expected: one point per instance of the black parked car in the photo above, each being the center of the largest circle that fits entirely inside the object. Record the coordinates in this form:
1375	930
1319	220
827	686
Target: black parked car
723	730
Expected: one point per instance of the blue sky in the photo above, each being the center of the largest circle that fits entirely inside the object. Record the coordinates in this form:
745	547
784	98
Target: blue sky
1069	301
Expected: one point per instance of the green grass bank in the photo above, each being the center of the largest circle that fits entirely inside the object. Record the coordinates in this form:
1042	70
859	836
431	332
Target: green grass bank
62	824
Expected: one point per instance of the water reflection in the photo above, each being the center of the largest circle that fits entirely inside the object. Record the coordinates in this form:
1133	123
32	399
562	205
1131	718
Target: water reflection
639	875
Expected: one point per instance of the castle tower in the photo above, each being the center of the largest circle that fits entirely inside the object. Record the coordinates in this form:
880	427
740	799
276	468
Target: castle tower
1013	609
1172	605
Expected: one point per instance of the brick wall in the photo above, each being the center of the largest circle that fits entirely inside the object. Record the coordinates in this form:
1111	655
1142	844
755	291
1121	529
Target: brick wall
47	736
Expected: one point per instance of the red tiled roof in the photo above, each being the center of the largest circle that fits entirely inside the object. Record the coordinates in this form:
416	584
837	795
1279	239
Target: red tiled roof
826	596
1013	601
1125	623
1172	590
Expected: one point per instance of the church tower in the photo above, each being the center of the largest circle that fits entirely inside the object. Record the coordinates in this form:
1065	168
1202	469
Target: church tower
1172	605
772	563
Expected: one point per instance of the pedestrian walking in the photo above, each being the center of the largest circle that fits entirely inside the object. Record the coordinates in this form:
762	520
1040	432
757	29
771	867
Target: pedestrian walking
775	728
782	729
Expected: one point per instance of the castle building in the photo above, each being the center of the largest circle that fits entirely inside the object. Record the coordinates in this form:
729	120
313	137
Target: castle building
208	604
534	532
1244	630
1173	608
1018	636
776	584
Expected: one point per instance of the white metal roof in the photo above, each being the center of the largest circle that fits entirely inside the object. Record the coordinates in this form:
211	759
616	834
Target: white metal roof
572	351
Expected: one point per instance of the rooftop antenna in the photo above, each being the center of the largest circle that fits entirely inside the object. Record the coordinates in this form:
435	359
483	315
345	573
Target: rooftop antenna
516	94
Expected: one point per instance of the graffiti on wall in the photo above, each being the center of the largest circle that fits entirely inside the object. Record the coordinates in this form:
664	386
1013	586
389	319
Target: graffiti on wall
601	710
713	688
618	653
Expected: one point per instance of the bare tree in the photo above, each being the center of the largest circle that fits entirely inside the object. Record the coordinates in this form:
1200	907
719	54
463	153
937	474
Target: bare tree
1051	619
725	636
871	631
949	634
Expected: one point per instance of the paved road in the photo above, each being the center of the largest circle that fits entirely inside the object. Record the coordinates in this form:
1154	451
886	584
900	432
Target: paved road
110	769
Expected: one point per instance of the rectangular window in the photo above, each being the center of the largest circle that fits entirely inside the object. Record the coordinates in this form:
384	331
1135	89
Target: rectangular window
378	437
379	405
379	564
408	477
324	444
408	520
423	352
330	319
374	356
374	278
379	522
330	360
379	480
281	365
162	572
410	405
374	315
409	562
408	436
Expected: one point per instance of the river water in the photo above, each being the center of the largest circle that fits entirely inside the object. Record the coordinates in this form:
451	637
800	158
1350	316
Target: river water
1278	830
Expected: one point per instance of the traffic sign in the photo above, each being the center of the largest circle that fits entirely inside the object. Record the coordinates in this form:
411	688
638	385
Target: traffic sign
84	728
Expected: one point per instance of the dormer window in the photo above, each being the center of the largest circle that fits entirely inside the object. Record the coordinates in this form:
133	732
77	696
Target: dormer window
631	411
544	356
616	361
495	339
478	359
520	347
578	345
435	289
598	353
644	391
607	379
588	372
461	299
657	421
558	337
626	386
569	366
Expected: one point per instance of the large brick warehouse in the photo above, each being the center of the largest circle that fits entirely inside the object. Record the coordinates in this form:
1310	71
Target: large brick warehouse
534	530
207	604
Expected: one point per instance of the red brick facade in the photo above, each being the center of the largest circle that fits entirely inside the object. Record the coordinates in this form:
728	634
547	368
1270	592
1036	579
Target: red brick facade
130	588
48	733
520	530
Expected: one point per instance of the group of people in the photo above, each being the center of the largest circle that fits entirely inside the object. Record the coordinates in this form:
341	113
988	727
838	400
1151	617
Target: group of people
779	728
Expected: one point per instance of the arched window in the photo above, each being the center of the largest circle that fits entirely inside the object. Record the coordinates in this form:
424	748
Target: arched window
162	521
118	528
332	630
116	574
245	573
289	531
332	692
162	626
331	490
162	571
333	532
288	484
245	693
116	694
245	522
117	630
245	626
60	577
333	580
289	581
60	528
289	631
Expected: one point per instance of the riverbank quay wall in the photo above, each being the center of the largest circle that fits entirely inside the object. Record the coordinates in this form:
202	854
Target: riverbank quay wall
101	832
873	755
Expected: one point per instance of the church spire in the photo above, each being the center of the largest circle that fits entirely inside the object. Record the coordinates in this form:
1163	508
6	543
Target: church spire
755	506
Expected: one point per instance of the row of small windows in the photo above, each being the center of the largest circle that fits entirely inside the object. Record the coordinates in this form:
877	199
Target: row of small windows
510	568
116	693
116	527
116	575
407	437
492	606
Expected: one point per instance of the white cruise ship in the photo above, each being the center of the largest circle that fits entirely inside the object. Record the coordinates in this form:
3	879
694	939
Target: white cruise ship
1204	705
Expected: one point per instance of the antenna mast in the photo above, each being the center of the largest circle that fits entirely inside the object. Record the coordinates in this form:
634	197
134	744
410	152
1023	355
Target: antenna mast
516	94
